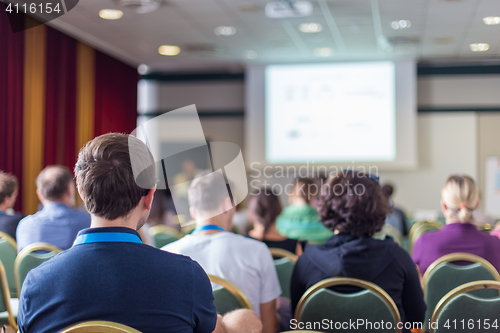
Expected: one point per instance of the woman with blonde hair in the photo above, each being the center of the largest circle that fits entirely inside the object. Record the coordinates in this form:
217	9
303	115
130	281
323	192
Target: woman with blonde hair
459	198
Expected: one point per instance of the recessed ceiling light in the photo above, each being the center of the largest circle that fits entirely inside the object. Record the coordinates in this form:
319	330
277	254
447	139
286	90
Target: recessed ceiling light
169	50
143	69
110	14
323	52
310	28
401	24
225	31
249	54
479	47
491	20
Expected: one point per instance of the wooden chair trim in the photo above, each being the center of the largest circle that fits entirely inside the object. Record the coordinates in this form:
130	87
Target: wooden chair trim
280	253
6	296
40	246
160	228
335	281
9	239
465	288
458	256
233	290
101	324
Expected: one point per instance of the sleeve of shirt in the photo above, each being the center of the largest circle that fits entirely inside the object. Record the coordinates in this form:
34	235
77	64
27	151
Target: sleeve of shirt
22	314
204	313
270	286
21	236
416	254
413	296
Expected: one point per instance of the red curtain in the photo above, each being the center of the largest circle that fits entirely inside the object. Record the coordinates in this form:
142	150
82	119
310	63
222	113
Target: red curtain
11	98
115	96
60	110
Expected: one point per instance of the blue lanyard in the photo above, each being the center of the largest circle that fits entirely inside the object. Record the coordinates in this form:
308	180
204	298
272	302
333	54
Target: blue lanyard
107	237
208	227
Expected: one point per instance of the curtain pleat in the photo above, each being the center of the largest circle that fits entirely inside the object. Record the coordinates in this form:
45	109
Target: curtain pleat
85	106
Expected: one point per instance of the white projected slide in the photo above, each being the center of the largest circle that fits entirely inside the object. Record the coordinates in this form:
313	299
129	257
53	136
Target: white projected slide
330	112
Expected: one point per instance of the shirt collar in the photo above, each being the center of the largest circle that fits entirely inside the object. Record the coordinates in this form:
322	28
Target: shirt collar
108	229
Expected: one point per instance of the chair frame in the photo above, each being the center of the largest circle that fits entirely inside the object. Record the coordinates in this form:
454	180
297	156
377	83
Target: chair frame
232	289
101	324
277	252
425	226
399	238
337	281
6	296
40	246
458	256
465	288
9	239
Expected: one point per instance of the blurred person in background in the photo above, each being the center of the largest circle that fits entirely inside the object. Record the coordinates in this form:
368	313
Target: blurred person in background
397	217
8	195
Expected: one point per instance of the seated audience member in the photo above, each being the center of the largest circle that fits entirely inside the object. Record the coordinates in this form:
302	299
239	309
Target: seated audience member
264	208
57	222
353	205
397	217
109	274
245	262
300	220
8	194
459	198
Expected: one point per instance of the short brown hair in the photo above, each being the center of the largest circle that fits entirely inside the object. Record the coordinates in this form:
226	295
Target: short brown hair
352	203
105	177
53	182
8	185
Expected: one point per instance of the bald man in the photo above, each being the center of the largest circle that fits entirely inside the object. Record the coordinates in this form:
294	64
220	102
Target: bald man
57	223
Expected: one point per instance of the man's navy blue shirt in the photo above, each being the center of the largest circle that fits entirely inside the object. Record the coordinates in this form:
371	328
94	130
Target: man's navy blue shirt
134	284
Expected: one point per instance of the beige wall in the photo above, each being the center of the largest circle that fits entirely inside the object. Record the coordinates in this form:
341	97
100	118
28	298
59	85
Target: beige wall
488	141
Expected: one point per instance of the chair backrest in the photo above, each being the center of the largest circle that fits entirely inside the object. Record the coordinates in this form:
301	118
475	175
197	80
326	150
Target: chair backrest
228	297
30	257
5	298
99	327
284	262
442	276
460	312
372	304
8	254
389	230
163	235
420	230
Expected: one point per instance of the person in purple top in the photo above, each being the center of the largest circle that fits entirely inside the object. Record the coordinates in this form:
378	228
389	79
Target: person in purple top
459	198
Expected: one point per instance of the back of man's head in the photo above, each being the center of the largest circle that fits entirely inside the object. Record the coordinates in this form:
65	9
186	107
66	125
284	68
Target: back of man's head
8	185
387	190
207	193
53	181
105	177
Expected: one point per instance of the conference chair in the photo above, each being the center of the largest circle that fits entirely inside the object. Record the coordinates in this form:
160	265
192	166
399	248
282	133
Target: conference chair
460	311
163	235
228	297
30	257
8	306
443	275
389	230
99	327
419	230
8	254
372	304
284	262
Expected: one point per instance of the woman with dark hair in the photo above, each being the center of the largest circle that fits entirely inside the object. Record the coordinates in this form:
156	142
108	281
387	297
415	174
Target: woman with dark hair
263	209
352	205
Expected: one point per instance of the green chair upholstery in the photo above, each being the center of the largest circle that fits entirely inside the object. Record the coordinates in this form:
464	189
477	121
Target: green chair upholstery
284	262
163	235
462	311
443	276
372	304
30	257
228	297
8	254
8	306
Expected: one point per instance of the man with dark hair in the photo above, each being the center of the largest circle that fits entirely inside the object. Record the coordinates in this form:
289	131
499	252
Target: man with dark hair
8	194
109	274
57	223
245	262
397	217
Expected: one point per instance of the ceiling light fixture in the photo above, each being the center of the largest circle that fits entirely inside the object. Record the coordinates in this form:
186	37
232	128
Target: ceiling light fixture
323	52
249	54
491	20
143	69
401	24
110	14
479	47
169	50
225	30
310	28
